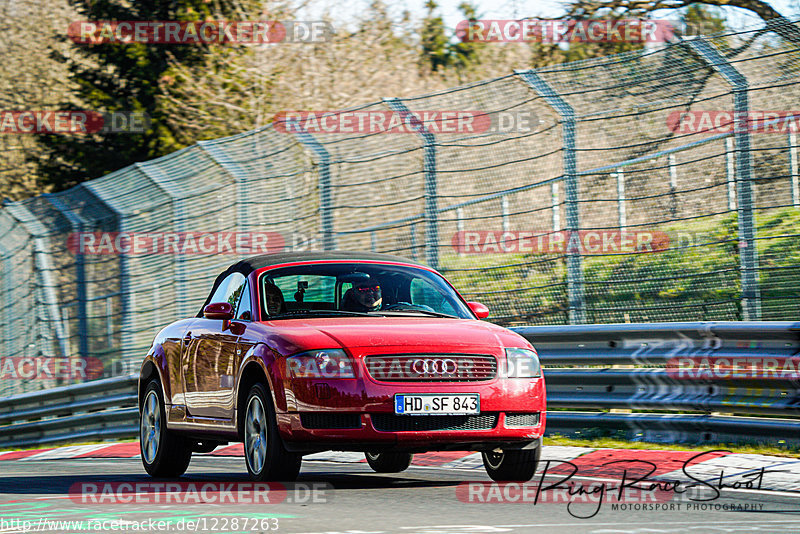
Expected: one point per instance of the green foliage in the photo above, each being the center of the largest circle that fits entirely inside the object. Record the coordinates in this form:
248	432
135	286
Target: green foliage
438	50
123	78
619	442
695	278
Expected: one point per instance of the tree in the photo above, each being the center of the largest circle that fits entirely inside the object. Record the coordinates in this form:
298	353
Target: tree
29	80
774	20
120	77
433	39
440	51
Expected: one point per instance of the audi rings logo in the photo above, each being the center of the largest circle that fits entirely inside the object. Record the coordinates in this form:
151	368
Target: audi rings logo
444	366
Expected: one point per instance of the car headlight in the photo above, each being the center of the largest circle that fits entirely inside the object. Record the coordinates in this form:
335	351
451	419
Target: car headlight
522	363
324	363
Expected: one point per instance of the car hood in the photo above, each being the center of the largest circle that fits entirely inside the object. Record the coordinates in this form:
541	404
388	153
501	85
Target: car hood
430	334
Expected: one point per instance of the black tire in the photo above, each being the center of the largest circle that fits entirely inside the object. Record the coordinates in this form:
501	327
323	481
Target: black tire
389	462
164	453
261	438
513	465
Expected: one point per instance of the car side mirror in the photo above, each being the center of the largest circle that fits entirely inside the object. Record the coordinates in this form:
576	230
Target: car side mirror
480	310
218	310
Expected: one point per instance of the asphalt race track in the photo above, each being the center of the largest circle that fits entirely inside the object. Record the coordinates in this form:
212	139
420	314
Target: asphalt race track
337	492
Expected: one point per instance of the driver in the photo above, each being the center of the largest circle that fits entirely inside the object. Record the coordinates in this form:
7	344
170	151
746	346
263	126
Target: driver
274	297
364	296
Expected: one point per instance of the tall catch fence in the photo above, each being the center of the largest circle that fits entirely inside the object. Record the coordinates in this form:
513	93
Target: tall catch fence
640	190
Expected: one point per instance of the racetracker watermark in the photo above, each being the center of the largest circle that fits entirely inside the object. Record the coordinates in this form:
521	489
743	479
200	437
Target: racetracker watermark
199	32
721	367
584	242
179	243
406	122
721	121
565	31
580	242
187	493
41	368
71	122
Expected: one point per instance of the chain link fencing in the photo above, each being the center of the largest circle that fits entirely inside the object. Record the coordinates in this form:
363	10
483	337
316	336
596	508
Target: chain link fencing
647	186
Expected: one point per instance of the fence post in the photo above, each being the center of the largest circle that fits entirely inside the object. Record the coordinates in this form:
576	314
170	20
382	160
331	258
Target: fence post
156	175
109	324
44	268
730	173
77	224
556	207
235	171
325	202
575	289
748	255
504	210
623	215
127	336
673	184
413	229
793	171
460	228
431	188
8	300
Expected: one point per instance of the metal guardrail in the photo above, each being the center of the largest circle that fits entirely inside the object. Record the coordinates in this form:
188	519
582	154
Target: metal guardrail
619	368
96	410
619	371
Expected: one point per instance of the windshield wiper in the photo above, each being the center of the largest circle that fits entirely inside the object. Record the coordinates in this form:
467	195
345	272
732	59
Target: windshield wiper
301	313
425	312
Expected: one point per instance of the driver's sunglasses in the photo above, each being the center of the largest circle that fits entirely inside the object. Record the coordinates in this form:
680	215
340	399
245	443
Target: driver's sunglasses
365	289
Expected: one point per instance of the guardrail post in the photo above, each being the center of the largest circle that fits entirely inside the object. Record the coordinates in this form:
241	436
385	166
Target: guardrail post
793	171
431	190
575	291
748	254
44	268
325	201
623	215
77	224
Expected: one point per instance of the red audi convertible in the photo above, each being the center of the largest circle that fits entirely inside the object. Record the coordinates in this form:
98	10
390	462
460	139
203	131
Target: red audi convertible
297	353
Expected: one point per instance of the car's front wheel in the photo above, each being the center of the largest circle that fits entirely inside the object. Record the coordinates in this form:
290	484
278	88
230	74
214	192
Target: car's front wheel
517	465
389	462
164	453
264	451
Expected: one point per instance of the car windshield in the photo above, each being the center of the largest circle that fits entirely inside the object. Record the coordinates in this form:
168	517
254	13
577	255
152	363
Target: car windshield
357	289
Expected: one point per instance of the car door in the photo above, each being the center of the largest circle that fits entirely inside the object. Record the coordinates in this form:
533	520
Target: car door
210	357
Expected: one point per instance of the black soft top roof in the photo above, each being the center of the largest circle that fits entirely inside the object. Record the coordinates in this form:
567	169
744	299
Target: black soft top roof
253	263
266	260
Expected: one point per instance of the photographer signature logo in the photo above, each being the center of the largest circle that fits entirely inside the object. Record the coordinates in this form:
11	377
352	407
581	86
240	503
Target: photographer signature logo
635	485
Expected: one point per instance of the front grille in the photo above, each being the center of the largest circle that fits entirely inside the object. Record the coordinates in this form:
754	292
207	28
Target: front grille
431	367
522	419
387	422
330	420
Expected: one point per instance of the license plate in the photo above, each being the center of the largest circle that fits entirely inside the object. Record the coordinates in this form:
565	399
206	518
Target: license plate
434	404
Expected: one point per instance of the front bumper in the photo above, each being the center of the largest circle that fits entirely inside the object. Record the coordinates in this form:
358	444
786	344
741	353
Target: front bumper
369	438
370	405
